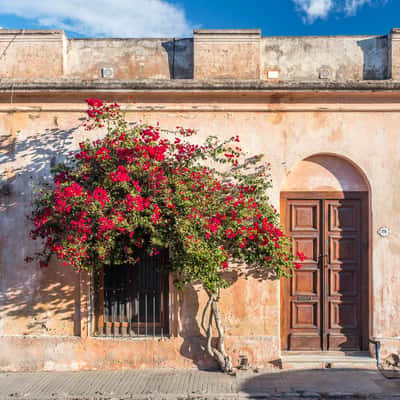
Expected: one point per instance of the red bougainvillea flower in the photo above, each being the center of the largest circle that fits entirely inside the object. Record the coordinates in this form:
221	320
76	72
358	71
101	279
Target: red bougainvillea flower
121	175
101	196
141	187
94	102
300	256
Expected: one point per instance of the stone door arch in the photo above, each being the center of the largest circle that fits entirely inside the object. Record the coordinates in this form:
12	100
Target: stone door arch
325	210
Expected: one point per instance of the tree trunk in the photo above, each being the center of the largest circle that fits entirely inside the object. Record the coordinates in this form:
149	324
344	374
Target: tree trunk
217	352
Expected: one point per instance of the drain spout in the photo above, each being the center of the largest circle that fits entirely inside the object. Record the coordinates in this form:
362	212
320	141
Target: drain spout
377	345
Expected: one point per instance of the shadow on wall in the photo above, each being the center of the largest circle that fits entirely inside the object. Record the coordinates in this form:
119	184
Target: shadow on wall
194	343
180	58
36	301
376	63
194	340
32	156
32	300
325	172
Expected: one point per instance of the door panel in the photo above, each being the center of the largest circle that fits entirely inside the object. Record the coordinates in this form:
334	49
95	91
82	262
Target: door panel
321	303
305	314
343	281
305	282
304	216
305	298
344	215
344	265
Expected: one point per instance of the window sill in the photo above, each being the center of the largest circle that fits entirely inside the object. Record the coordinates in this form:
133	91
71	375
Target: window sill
133	338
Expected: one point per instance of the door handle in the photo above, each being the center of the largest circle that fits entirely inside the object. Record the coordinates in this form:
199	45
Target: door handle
322	260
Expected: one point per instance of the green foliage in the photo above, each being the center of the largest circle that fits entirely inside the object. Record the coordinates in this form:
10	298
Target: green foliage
141	186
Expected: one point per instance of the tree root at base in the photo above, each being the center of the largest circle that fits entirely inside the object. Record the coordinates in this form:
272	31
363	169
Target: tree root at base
217	352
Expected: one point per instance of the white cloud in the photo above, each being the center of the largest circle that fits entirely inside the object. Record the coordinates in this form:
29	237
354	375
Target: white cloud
314	9
351	6
117	18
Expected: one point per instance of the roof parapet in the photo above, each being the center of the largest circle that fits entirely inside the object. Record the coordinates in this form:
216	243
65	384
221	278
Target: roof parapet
32	53
394	53
219	54
227	53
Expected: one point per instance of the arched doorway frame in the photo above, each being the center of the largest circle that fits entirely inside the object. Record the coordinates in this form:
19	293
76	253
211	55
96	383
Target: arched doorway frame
364	196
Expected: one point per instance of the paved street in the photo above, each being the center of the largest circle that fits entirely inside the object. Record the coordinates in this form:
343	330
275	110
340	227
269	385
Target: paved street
194	384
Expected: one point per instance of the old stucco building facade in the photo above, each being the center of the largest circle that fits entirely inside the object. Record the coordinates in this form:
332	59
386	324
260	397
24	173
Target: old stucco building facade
325	111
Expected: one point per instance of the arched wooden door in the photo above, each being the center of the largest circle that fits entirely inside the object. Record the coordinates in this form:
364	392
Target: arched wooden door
325	305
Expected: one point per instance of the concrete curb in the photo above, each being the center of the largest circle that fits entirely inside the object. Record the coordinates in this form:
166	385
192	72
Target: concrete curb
218	396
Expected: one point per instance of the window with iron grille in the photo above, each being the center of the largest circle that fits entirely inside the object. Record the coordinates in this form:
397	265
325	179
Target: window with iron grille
132	300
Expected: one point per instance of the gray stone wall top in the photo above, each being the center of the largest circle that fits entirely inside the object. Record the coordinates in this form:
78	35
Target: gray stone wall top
210	54
332	58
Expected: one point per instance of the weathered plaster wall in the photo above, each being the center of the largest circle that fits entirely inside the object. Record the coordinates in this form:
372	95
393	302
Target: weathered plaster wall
42	310
340	57
130	58
394	54
211	54
32	54
227	54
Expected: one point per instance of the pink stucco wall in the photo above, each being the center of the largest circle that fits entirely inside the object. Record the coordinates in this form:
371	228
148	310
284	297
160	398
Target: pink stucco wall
44	313
309	125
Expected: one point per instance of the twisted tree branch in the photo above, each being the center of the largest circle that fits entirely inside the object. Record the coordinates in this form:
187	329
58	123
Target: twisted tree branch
218	353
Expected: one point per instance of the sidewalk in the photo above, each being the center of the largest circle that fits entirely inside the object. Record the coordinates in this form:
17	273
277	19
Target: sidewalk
194	384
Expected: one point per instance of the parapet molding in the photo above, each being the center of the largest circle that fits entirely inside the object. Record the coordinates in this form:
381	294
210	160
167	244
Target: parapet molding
39	35
192	85
234	35
32	31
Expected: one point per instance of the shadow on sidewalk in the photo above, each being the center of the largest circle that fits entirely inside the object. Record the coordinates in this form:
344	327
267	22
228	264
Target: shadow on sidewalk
348	381
195	384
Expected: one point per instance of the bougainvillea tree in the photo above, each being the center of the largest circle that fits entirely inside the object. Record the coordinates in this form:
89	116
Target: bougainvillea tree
141	186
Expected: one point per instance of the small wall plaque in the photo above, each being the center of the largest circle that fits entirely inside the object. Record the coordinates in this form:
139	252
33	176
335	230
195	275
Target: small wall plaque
107	73
384	231
273	74
324	72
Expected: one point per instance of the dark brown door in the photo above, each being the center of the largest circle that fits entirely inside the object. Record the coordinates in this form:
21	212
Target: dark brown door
321	303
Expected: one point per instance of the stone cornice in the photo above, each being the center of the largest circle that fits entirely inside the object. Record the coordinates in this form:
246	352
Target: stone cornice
17	86
31	35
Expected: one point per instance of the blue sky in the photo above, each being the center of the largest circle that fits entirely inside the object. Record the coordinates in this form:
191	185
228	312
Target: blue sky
167	18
